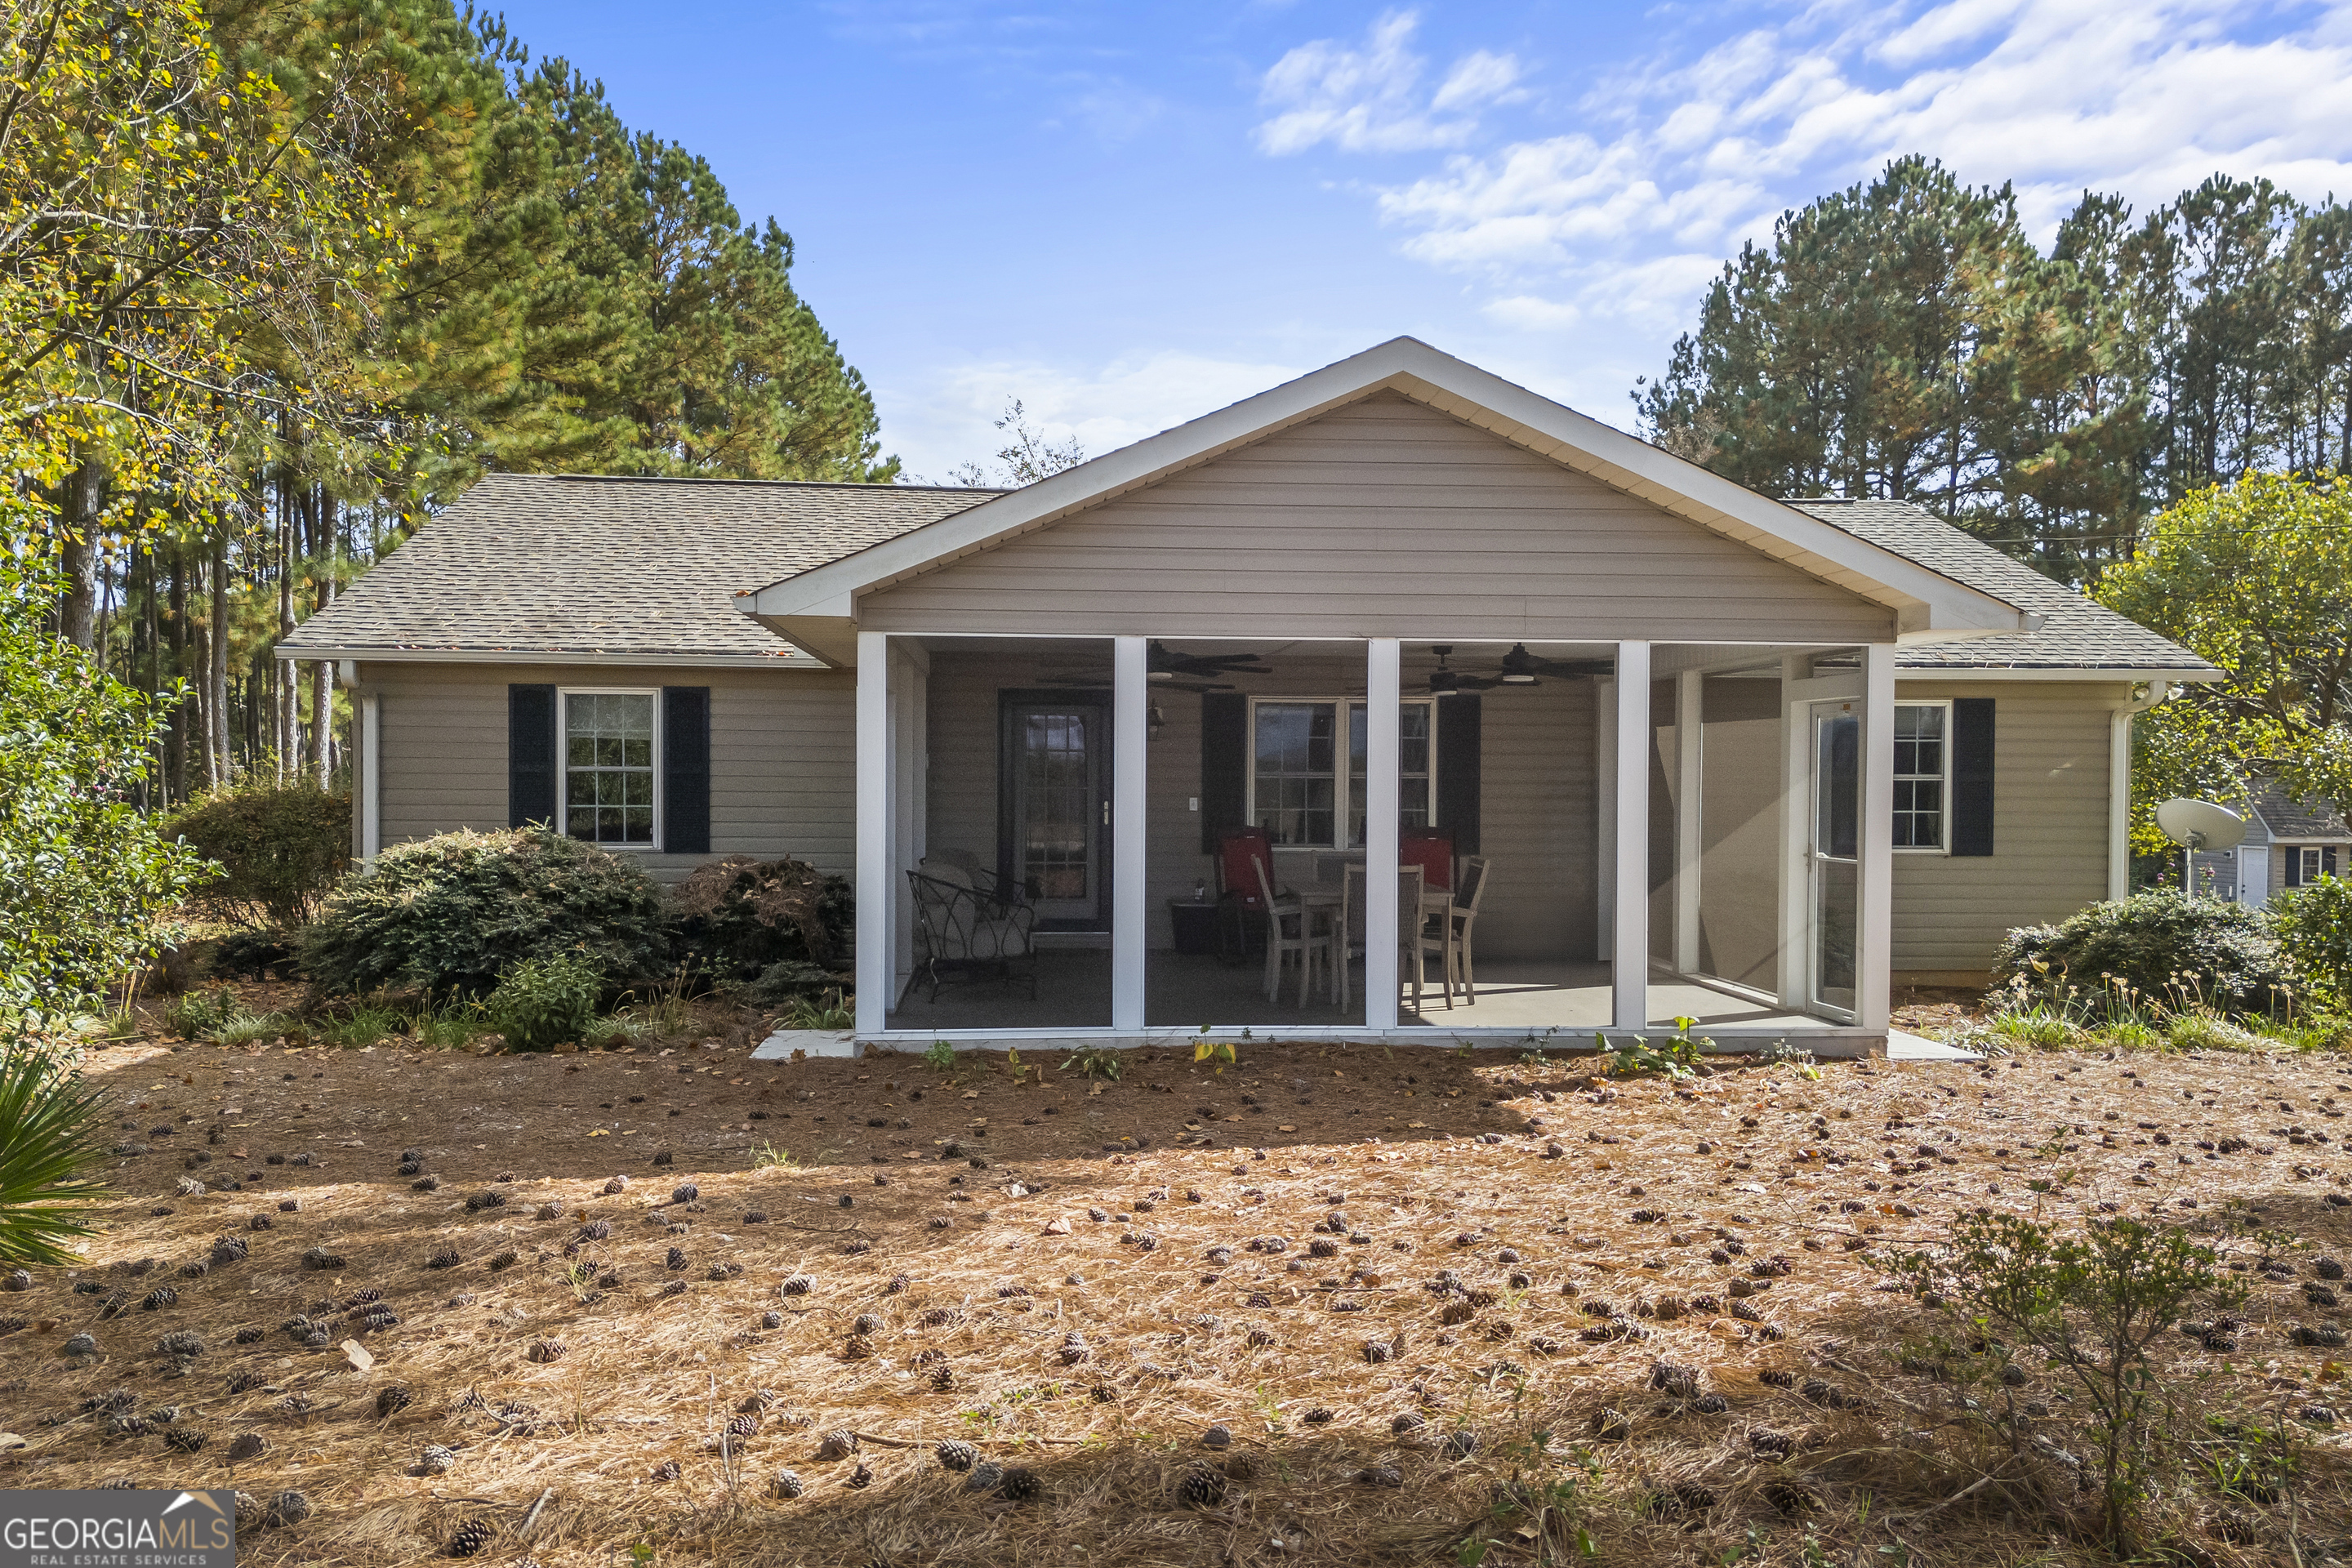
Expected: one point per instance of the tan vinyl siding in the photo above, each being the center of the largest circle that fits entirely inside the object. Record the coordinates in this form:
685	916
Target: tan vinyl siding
1382	519
782	753
2049	827
1742	740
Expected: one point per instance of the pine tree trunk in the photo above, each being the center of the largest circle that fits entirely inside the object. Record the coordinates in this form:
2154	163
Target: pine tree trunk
85	495
177	778
221	765
322	687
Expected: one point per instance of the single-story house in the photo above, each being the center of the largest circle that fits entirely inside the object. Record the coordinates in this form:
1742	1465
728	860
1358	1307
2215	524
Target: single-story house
1673	748
2289	840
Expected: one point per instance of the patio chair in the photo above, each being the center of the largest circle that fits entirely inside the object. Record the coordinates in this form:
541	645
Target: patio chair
1242	893
1291	928
1431	849
966	925
1464	920
1409	938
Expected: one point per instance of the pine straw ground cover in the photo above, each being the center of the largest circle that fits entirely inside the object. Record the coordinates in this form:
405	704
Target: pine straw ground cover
1089	1316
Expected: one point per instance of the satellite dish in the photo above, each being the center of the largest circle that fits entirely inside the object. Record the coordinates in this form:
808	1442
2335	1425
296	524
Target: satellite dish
2197	824
2200	824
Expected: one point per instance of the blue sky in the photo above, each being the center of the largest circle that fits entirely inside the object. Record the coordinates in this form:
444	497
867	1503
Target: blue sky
1129	215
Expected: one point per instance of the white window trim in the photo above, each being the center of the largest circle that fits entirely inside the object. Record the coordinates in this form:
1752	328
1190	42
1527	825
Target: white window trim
1342	778
1944	848
563	695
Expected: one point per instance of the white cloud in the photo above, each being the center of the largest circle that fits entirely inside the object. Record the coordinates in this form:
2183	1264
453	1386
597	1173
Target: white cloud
949	420
1367	98
1672	162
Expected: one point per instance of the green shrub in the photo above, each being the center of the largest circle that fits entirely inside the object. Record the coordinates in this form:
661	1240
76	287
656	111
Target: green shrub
543	1002
48	1121
257	953
738	919
2177	952
454	914
281	848
2315	929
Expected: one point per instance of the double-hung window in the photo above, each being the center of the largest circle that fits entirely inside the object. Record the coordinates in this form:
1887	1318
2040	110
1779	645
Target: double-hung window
609	745
1923	775
1300	794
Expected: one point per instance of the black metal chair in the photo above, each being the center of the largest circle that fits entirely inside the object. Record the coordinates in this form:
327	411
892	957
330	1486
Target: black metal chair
970	924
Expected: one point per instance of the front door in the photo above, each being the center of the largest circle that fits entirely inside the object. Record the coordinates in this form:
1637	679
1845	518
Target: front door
1835	860
1059	808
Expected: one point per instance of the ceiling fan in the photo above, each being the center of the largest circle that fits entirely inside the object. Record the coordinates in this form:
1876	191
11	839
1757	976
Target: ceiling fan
1518	667
1164	664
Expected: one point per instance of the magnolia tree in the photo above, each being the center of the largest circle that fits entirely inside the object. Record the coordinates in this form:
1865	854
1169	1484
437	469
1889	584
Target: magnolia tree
84	877
2256	577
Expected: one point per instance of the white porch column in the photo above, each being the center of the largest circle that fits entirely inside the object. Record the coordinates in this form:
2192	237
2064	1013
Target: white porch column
1874	947
1604	817
1130	770
1629	957
874	812
1797	808
1383	692
371	778
1689	694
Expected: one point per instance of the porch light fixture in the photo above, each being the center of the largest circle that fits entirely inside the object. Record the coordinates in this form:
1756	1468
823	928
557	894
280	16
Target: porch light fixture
1153	719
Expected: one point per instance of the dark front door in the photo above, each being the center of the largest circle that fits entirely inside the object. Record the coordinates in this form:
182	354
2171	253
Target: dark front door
1058	808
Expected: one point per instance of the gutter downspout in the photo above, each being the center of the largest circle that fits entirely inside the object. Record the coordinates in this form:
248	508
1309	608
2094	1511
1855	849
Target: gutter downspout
2119	759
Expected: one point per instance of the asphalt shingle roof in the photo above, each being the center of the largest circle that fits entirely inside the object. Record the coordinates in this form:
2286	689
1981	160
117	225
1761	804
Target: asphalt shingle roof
2288	817
2076	633
588	564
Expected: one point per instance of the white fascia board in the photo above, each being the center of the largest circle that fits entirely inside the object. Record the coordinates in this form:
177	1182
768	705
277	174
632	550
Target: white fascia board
2047	672
355	655
1924	601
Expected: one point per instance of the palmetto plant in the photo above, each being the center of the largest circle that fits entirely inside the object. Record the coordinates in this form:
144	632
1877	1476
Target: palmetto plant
47	1196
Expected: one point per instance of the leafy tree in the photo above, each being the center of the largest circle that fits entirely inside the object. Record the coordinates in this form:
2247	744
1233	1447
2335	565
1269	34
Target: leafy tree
1027	456
2255	577
84	876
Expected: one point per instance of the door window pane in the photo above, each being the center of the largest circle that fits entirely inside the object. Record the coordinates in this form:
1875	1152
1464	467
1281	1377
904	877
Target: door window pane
608	756
1057	807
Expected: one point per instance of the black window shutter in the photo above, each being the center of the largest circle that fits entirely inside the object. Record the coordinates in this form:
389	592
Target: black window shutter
2327	861
1224	765
686	770
2294	866
1973	799
530	755
1458	724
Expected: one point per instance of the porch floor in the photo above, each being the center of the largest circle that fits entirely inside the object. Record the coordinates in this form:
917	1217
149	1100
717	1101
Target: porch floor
1183	991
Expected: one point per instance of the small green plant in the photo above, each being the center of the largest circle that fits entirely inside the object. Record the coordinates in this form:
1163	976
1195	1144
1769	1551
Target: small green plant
1219	1054
766	1156
1015	1068
830	1012
2202	1029
453	1026
941	1057
1094	1062
2095	1303
1675	1057
48	1151
362	1024
545	1001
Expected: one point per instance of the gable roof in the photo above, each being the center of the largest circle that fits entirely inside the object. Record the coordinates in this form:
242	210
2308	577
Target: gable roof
818	606
2075	635
546	566
2287	817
